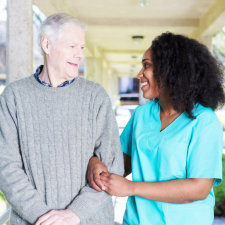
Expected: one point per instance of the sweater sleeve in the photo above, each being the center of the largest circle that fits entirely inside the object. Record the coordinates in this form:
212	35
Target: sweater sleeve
14	182
108	149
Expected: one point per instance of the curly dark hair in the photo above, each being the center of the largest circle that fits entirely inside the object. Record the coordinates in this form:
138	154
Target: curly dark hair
189	71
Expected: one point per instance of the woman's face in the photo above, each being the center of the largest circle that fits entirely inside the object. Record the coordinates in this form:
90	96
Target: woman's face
149	85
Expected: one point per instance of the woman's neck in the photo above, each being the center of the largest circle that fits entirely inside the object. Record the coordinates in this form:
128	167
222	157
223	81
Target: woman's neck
166	107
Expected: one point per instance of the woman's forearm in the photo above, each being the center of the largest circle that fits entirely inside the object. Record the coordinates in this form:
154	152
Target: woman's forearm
174	191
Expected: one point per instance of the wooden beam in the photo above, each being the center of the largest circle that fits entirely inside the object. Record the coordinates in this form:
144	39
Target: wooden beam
209	18
124	51
141	22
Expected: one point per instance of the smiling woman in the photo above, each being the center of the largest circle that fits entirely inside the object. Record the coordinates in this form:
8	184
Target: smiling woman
173	144
188	70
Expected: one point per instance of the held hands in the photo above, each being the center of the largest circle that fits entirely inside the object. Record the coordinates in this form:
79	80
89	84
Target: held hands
117	185
101	180
59	217
95	168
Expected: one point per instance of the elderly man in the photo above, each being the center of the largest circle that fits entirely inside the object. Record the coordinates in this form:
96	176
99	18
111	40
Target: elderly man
51	124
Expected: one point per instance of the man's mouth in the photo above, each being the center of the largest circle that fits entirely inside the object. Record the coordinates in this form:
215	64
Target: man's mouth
73	64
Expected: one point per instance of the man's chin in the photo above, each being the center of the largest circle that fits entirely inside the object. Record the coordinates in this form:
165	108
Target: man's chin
71	76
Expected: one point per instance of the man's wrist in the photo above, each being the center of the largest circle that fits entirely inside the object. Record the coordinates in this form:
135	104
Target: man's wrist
77	218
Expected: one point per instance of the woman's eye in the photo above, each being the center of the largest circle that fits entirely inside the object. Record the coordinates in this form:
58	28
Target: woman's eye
72	46
146	65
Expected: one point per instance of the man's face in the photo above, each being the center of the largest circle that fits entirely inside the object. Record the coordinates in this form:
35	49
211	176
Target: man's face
66	52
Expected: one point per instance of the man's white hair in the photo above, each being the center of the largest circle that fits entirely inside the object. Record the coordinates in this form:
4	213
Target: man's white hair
53	25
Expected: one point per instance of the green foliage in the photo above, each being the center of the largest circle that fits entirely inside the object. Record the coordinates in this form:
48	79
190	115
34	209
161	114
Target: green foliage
2	195
224	139
220	195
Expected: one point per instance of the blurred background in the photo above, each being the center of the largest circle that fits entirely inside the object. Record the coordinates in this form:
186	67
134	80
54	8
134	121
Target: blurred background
117	34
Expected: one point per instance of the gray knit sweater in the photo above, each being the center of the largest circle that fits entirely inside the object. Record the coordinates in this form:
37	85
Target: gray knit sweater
47	136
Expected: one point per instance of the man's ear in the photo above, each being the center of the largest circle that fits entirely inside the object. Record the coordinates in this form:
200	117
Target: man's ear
45	44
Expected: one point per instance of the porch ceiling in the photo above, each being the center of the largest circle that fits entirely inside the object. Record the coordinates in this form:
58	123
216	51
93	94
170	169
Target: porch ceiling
111	23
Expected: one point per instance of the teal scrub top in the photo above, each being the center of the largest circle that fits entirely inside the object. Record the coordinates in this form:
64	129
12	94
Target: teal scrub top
187	148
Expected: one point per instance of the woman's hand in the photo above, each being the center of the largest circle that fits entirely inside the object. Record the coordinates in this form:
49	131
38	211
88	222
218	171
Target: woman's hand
117	185
95	168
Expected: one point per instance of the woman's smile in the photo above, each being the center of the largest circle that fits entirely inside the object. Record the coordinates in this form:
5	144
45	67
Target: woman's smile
144	85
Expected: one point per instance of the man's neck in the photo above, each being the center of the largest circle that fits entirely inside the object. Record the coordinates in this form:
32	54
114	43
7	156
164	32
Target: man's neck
49	76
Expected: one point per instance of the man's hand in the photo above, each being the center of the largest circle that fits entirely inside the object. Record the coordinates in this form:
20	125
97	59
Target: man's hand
95	168
59	217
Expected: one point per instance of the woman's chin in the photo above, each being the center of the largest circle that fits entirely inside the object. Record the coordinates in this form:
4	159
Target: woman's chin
146	95
149	96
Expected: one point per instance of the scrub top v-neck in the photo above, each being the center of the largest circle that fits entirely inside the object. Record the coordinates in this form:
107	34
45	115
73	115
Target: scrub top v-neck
187	148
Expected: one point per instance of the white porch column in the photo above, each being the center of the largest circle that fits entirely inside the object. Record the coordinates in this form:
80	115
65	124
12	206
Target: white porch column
19	51
99	71
89	71
113	85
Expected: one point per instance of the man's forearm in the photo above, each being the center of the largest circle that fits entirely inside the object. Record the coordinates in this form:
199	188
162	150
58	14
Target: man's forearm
88	202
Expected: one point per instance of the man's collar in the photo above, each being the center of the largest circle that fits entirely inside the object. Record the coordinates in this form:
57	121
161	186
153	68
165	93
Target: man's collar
37	73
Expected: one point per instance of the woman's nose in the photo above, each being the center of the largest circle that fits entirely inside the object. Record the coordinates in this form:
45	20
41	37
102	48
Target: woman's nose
140	74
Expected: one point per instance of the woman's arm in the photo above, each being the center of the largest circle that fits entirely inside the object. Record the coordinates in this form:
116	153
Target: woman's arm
174	191
127	164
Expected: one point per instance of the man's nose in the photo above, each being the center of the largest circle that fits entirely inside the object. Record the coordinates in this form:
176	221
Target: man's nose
79	53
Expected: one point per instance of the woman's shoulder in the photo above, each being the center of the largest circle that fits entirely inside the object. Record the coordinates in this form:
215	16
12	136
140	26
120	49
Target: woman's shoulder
205	116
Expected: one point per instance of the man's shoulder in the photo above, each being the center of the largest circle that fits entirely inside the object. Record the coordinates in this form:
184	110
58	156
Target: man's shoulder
13	86
95	88
90	83
19	83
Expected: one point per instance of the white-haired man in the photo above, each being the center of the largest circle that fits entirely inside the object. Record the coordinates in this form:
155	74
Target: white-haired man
51	124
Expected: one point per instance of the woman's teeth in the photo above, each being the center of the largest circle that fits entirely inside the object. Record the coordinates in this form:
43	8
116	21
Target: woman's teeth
144	84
